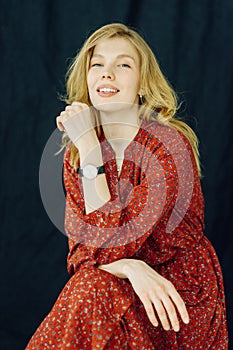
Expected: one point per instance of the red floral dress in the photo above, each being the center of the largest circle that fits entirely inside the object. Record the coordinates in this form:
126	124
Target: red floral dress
155	214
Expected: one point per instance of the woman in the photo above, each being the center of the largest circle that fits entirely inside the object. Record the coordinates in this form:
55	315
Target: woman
144	276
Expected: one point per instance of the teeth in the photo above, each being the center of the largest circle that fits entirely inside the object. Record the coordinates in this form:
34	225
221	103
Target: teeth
107	90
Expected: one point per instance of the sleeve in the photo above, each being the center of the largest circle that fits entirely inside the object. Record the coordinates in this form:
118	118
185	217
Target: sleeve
119	229
79	255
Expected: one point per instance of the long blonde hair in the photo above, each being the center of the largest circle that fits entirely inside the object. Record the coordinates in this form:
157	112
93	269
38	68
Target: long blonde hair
158	95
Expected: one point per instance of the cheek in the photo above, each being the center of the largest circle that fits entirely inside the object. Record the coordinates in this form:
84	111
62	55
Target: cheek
91	87
133	81
90	80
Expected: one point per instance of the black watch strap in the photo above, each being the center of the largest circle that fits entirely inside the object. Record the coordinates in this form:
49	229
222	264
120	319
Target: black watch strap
100	169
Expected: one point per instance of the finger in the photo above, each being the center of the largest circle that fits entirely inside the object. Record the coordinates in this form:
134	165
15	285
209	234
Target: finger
78	106
178	301
171	312
72	110
63	114
75	103
150	312
161	314
59	124
70	107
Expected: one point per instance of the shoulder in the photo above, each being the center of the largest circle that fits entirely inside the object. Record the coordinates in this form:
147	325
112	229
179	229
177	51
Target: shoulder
165	136
166	142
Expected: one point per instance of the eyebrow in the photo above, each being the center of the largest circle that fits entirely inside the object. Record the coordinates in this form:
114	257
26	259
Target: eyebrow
118	56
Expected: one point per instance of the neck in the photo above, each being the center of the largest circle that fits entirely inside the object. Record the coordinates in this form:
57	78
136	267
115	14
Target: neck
120	125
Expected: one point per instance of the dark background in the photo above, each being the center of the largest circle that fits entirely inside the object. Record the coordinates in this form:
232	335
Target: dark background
193	43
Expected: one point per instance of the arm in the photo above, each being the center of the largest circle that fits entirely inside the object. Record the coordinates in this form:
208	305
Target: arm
77	120
96	191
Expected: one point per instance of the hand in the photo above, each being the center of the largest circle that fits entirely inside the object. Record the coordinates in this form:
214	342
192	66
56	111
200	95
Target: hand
77	120
156	293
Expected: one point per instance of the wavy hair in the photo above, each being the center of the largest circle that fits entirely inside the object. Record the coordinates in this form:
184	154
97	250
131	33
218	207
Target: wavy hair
158	95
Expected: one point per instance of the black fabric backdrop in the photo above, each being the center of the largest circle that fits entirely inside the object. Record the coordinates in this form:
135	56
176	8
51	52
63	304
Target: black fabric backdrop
193	43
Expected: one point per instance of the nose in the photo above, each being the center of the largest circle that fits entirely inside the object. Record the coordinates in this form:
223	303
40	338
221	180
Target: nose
107	75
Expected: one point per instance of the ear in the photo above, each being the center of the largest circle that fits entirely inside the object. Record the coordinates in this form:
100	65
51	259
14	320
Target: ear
141	92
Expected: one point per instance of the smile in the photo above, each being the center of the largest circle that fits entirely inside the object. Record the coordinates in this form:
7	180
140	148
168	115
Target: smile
107	90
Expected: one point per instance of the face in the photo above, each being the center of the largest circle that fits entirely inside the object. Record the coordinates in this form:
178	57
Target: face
114	73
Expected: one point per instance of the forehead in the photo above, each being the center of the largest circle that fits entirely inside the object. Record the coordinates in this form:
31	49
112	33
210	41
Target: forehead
116	47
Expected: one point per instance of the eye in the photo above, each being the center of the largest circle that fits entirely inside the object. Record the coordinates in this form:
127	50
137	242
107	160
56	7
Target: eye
124	65
96	65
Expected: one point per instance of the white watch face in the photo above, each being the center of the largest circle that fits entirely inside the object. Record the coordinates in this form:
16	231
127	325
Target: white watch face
90	171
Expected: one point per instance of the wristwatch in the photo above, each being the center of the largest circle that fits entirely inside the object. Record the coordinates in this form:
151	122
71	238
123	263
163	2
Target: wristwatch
90	171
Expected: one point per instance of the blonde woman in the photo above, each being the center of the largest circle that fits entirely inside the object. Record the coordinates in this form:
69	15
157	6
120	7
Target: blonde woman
143	275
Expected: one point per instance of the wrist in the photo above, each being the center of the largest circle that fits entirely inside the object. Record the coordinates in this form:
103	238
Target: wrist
130	266
87	140
120	268
90	151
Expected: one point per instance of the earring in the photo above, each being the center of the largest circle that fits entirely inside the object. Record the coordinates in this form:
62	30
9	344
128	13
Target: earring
141	99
